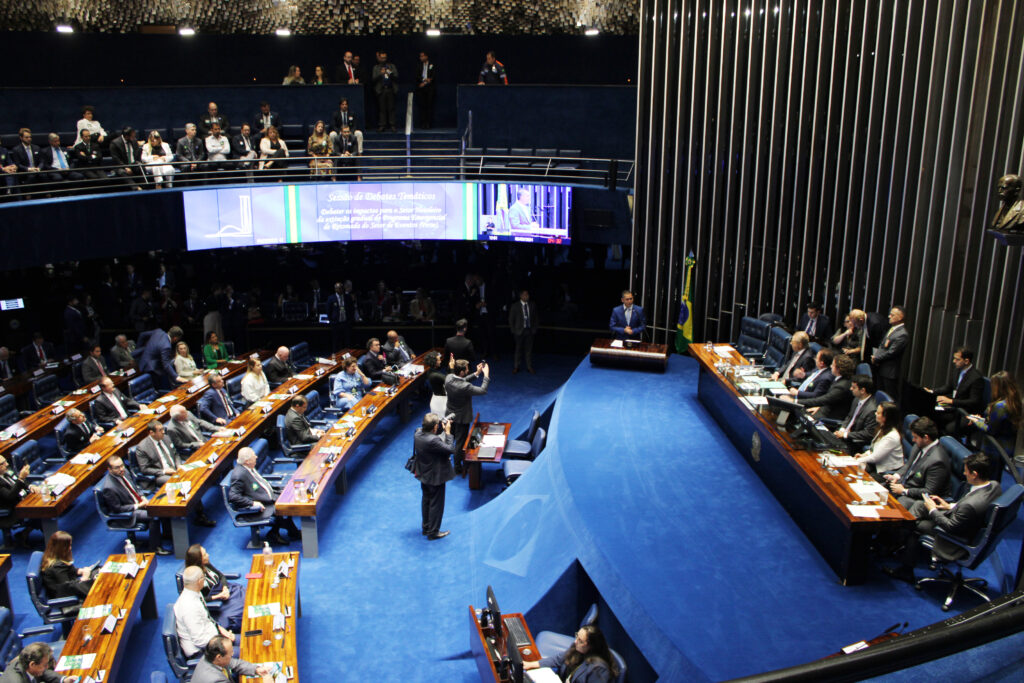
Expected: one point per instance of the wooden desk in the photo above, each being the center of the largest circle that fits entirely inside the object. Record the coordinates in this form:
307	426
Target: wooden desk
816	499
473	463
34	506
261	592
21	382
293	500
121	592
44	421
639	355
484	642
220	453
5	585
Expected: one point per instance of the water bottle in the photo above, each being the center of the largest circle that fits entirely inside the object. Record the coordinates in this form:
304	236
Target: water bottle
129	550
268	554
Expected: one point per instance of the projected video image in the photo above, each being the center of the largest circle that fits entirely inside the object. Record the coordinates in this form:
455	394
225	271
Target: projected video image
524	213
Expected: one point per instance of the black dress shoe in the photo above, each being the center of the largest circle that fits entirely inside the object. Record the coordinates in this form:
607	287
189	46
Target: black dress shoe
163	551
439	534
275	539
900	573
205	521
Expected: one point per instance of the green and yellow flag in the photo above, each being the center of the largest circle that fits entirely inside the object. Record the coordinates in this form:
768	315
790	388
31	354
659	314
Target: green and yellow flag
684	327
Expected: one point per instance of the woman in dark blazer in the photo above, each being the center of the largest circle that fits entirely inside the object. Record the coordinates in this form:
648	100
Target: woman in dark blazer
61	578
588	659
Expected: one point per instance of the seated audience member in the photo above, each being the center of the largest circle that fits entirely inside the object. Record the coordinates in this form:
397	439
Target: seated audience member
885	453
834	404
319	78
280	368
60	577
628	320
396	350
184	364
961	519
88	122
345	148
319	147
348	386
217	587
87	155
34	664
853	339
815	382
243	146
926	470
56	162
27	157
254	382
799	356
219	665
965	390
13	487
120	494
111	405
213	350
266	119
156	155
192	621
38	353
459	346
250	489
815	323
6	363
587	659
858	428
218	148
8	168
373	361
339	120
273	151
126	154
888	357
297	427
1003	417
80	432
189	432
212	116
156	454
190	150
94	366
294	76
421	308
492	72
215	406
121	351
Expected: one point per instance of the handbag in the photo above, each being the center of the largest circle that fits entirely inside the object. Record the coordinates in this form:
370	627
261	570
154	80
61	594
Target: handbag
412	465
389	378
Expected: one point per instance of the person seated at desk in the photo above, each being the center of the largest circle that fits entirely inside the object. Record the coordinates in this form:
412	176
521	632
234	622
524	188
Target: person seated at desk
588	659
885	452
34	663
814	383
120	495
254	383
60	577
13	487
94	367
858	427
111	405
966	390
961	519
158	458
6	363
38	353
800	357
296	425
396	350
192	621
188	432
219	665
852	340
250	489
215	406
213	350
927	470
834	404
1003	417
121	352
184	364
80	432
373	362
349	385
217	587
627	320
815	323
280	369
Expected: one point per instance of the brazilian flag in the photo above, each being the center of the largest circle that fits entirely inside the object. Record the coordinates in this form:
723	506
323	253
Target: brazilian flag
684	327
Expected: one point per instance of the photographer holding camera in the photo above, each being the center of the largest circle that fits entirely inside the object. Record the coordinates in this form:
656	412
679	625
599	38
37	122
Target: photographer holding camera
433	445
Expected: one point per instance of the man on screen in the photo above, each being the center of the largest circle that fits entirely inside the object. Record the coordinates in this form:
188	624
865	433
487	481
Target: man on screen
519	216
627	320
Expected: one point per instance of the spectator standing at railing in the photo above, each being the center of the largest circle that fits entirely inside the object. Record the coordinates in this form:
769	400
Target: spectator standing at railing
319	77
346	71
294	76
385	85
156	155
88	122
211	117
86	156
492	72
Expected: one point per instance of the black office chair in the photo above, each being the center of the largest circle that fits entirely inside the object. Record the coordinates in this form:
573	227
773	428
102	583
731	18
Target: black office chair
753	338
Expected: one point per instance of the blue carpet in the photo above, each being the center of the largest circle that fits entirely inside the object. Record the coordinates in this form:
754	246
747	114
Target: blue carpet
695	558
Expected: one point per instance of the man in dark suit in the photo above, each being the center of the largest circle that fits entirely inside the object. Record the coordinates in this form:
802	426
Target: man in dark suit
346	73
7	170
26	156
433	445
34	664
858	429
347	149
111	405
158	357
799	357
396	351
265	118
127	155
459	346
94	367
628	320
87	156
297	427
75	336
523	322
834	404
188	432
120	495
219	665
280	369
6	363
965	390
38	353
962	519
80	431
13	487
888	356
817	382
210	117
459	388
141	312
215	405
158	458
338	314
57	162
926	471
815	323
385	86
190	149
373	362
250	490
426	90
245	148
339	120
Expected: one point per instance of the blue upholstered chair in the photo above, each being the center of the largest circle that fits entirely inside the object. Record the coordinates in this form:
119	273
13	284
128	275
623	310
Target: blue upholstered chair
300	354
9	413
181	666
513	469
43	391
778	347
290	452
118	522
61	611
141	389
157	677
753	337
234	387
254	525
550	643
521	449
11	640
770	318
76	374
882	397
59	432
317	413
864	369
957	455
29	453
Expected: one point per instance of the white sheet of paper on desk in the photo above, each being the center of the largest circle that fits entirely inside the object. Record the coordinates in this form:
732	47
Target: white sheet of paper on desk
617	344
866	511
842	460
95	612
757	400
543	675
303	377
493	440
84	458
69	662
724	350
270	609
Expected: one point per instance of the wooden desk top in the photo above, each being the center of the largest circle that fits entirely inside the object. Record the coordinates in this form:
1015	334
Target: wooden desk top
479	644
636	349
471	454
120	592
114	443
5	565
293	500
261	592
44	421
20	383
834	490
220	453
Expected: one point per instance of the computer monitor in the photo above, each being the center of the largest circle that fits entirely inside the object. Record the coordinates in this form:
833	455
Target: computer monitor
491	615
784	408
515	670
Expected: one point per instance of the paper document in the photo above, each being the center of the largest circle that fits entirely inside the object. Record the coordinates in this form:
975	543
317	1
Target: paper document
59	482
494	440
270	609
842	460
617	344
126	568
866	511
192	465
69	662
179	486
84	458
543	675
724	350
303	377
95	611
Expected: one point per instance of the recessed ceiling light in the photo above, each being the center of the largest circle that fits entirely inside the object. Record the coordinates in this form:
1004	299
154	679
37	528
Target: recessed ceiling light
591	32
283	31
186	31
64	28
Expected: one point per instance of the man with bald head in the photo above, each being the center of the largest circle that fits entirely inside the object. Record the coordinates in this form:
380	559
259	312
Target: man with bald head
250	491
189	432
280	368
192	621
80	431
212	116
121	495
396	350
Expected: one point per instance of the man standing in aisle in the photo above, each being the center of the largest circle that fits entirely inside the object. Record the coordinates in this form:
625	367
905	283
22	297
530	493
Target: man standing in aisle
523	321
385	85
433	445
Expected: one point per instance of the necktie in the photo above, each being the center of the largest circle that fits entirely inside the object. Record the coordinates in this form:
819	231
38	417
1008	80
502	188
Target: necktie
195	432
853	417
349	67
629	314
31	159
229	411
131	489
60	159
6	369
165	455
117	405
344	118
807	382
262	482
103	373
131	152
39	350
811	324
792	362
958	381
526	317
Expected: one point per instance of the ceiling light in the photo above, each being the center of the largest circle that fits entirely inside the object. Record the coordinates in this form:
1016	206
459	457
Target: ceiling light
284	32
433	32
591	32
65	28
186	31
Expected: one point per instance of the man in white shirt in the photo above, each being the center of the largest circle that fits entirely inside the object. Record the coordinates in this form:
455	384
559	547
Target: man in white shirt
218	147
192	621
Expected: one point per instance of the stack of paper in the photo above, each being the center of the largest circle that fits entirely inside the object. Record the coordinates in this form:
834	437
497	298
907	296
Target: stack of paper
303	377
84	458
59	481
167	399
126	568
95	611
193	465
493	441
183	486
267	610
69	662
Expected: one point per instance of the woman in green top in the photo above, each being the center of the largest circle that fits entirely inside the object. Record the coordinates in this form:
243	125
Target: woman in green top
213	350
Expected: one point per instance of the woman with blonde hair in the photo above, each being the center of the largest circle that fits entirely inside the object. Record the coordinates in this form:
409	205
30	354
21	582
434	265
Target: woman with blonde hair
319	147
156	155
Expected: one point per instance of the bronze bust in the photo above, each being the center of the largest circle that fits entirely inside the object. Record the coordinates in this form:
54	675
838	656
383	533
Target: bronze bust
1010	216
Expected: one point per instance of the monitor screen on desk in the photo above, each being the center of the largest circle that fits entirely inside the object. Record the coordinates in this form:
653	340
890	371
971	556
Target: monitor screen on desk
515	668
784	409
491	615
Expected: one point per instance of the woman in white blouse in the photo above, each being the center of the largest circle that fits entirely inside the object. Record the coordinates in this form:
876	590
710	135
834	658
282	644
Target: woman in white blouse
254	383
273	151
156	155
93	126
886	451
183	363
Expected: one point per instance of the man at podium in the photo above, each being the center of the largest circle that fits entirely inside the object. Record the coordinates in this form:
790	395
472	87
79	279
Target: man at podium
627	320
519	216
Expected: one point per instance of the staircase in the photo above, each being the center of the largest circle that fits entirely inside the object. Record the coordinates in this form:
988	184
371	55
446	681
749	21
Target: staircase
434	153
